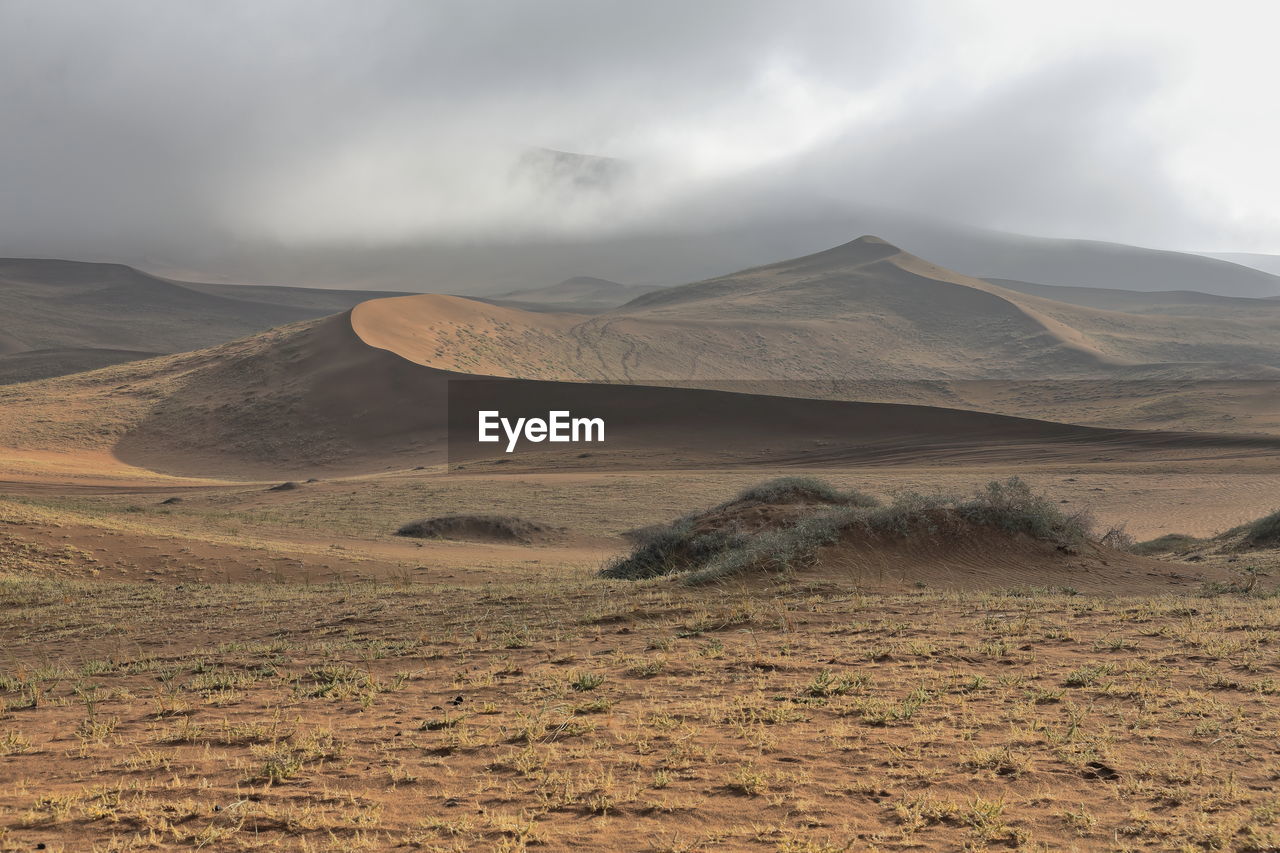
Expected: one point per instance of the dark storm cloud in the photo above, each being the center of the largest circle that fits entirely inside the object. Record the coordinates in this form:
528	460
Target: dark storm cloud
188	129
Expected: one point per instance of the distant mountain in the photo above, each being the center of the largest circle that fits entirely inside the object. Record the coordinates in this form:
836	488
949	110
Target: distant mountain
579	295
61	316
1179	302
701	240
317	299
1266	263
1081	263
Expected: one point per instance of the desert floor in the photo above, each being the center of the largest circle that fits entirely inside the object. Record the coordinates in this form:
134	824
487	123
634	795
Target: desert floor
248	669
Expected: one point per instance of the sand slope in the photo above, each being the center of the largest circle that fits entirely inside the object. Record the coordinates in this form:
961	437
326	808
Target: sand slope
29	365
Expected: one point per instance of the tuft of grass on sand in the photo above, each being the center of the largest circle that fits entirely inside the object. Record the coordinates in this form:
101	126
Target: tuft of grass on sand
1264	532
787	490
499	528
717	544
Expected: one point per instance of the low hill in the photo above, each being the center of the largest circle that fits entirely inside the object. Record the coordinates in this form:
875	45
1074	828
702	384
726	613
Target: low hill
1188	303
578	295
1003	535
28	366
1085	263
1269	264
69	315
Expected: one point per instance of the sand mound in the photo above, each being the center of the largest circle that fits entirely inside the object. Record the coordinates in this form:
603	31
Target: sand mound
76	316
1261	534
1005	536
476	528
973	557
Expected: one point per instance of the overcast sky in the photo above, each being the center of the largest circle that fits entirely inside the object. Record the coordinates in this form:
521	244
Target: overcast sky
154	126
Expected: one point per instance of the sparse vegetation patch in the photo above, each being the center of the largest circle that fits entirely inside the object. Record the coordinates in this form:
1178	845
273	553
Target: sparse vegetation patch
1263	533
799	490
493	528
780	526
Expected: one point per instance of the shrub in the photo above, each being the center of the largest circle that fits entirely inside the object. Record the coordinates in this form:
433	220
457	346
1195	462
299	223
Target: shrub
667	550
1008	505
1011	505
1264	532
502	528
1165	544
711	555
1117	538
785	490
772	551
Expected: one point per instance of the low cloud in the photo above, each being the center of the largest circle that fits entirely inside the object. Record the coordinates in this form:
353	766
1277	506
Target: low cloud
199	132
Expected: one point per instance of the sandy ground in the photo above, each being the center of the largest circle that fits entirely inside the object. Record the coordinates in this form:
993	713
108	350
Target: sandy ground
249	669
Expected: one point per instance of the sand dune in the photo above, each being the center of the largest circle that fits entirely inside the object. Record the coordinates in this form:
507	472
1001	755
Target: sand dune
846	313
365	390
320	397
862	311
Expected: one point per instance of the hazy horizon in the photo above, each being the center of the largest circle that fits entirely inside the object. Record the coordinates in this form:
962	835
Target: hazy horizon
272	140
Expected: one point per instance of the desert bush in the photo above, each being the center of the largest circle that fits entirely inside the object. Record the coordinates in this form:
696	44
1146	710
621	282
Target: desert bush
1118	538
1008	505
1264	532
668	550
1165	544
1012	506
773	551
910	514
709	555
784	490
504	528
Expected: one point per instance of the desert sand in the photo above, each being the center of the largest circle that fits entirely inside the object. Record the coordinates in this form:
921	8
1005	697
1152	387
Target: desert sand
216	640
